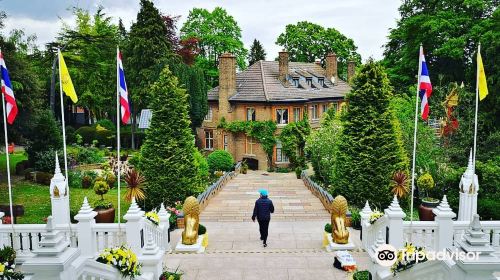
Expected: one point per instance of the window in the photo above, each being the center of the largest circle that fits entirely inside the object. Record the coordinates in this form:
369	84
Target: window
325	108
208	116
309	81
335	107
250	114
225	143
280	156
281	116
209	139
249	148
321	82
296	82
296	114
315	115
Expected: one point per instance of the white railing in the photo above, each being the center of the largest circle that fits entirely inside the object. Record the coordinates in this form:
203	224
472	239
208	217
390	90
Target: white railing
156	231
372	231
421	233
108	235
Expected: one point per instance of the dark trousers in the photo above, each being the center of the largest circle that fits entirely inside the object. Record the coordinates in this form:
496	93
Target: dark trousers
264	228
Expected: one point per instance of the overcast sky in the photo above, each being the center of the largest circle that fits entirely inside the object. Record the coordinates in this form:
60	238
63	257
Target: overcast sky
367	22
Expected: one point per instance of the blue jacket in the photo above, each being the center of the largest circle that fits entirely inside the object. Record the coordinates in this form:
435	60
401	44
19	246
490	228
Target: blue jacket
263	209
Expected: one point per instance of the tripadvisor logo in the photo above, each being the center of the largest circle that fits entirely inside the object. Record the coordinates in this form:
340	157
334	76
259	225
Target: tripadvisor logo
386	255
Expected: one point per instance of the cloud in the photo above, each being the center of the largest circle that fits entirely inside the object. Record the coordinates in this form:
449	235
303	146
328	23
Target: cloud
366	22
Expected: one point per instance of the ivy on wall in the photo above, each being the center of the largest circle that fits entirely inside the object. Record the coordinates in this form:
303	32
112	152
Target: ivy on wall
263	131
293	140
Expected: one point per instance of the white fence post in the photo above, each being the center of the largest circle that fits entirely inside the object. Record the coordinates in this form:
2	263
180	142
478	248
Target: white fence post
86	237
133	226
165	222
395	217
151	258
3	239
444	216
365	218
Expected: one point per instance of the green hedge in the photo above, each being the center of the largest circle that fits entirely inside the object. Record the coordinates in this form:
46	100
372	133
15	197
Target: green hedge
220	160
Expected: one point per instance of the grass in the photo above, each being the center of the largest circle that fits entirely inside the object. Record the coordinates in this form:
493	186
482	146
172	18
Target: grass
14	159
36	200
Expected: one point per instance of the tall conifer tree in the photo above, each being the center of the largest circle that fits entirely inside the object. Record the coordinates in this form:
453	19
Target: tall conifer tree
257	52
371	148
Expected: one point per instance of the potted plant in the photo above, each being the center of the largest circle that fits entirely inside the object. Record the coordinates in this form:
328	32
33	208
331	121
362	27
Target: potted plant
7	266
425	183
104	209
167	275
123	259
362	275
298	172
244	167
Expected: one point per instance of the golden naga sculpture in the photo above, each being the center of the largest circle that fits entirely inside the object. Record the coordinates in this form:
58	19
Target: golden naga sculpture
340	234
191	209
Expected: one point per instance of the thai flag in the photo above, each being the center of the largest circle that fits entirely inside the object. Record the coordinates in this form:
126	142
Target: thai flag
8	93
124	104
424	86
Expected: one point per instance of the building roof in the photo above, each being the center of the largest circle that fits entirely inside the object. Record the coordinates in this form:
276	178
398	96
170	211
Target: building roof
260	83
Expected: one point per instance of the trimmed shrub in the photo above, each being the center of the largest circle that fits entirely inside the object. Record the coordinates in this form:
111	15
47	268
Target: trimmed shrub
328	228
45	161
45	135
75	179
43	178
201	229
70	135
87	133
202	164
21	166
101	188
220	160
362	275
105	137
107	124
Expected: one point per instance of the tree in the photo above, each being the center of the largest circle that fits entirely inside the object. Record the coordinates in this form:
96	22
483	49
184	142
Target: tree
257	52
146	48
217	32
306	42
167	155
45	135
370	149
293	140
90	47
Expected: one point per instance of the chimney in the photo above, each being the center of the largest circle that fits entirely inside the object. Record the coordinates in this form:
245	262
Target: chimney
331	67
351	69
283	67
227	82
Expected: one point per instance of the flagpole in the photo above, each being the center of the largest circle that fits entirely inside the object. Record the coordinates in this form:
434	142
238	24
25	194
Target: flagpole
118	132
415	137
477	107
63	124
8	164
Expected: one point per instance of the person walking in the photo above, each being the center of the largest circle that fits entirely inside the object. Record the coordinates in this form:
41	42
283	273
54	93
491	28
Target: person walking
262	211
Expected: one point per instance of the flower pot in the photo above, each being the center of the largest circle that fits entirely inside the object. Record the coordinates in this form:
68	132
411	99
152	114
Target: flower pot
425	210
105	215
180	221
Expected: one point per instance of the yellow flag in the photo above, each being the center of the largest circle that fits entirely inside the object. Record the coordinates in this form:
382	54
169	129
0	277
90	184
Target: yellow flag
67	84
481	78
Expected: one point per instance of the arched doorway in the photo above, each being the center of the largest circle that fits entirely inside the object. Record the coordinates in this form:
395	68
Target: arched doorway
252	163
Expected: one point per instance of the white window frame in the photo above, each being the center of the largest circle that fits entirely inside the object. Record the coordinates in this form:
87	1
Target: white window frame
251	114
314	112
209	115
226	142
296	117
249	145
209	139
280	155
280	112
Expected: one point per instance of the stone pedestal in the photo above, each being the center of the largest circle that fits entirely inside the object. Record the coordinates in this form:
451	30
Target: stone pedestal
332	246
195	248
53	257
151	258
469	185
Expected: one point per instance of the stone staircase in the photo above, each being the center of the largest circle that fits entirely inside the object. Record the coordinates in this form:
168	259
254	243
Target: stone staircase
291	199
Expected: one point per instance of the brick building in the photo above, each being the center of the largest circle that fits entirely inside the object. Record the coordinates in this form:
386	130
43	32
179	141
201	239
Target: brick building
269	90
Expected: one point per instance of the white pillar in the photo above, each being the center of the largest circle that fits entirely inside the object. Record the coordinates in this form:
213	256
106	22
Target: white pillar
165	222
3	241
365	218
395	217
133	226
469	186
86	236
151	258
59	197
444	216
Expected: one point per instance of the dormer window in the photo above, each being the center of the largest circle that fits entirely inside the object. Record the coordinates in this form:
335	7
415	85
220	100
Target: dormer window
296	82
309	81
321	81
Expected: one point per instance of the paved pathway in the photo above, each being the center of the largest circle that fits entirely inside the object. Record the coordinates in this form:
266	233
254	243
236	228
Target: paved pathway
295	235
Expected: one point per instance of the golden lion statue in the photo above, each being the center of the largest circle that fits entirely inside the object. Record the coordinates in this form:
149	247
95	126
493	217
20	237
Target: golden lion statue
191	209
340	234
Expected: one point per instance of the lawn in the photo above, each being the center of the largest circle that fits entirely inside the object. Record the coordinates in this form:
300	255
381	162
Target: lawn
36	200
14	159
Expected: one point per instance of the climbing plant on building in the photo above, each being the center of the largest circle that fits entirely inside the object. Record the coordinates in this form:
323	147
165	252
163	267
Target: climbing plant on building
263	131
293	140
